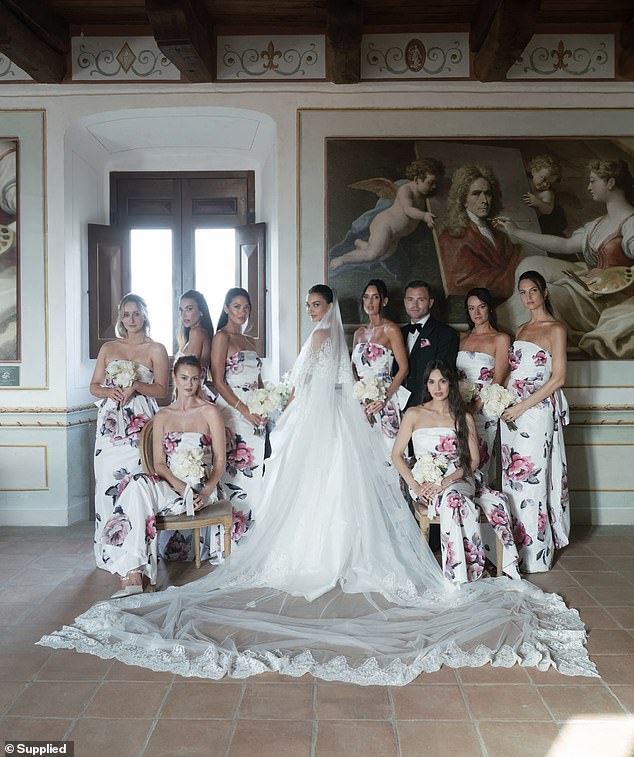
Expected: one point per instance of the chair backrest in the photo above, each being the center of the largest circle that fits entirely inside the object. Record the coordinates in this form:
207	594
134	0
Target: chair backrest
145	448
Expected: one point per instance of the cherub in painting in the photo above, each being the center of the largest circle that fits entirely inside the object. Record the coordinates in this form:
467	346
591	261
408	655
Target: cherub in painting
400	219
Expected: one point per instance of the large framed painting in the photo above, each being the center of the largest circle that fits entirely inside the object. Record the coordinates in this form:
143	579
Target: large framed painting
426	194
23	319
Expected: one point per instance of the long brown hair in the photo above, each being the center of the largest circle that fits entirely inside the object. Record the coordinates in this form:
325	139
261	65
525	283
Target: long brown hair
457	409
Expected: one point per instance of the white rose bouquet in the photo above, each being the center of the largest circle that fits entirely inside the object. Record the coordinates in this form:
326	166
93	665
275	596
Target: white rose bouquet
370	389
495	400
260	401
430	469
122	373
188	465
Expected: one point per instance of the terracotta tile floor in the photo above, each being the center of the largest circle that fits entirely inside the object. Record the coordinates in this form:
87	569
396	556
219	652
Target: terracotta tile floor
47	577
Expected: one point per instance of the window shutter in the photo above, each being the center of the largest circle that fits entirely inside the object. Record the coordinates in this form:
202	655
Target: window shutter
108	281
251	273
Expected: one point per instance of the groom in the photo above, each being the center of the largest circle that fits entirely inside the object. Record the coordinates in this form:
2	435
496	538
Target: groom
426	339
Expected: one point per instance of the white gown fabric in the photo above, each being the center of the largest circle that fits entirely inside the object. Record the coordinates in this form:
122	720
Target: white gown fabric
333	579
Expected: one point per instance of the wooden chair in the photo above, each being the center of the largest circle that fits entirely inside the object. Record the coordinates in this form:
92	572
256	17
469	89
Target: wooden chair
424	521
219	513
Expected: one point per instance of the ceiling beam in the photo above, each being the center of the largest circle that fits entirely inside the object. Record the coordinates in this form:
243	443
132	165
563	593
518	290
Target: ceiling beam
41	20
344	22
28	50
510	28
183	38
625	64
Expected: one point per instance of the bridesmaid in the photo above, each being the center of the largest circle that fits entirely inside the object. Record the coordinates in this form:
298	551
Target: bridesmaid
375	348
196	332
483	360
534	474
189	424
440	427
123	411
236	369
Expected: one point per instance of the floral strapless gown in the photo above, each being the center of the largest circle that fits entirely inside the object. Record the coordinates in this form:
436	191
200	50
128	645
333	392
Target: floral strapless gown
477	368
534	472
129	536
242	479
372	359
117	456
463	550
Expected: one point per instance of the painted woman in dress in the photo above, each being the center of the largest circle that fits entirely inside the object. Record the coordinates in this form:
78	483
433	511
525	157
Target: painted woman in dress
130	375
195	334
443	433
184	435
482	360
236	369
534	474
600	323
375	347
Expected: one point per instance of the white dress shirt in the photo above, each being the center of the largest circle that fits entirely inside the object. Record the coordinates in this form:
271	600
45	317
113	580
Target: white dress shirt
411	338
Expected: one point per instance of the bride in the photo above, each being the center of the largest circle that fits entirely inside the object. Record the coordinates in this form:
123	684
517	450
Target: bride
333	579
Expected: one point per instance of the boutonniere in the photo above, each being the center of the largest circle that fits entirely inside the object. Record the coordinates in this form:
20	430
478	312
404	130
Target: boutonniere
425	342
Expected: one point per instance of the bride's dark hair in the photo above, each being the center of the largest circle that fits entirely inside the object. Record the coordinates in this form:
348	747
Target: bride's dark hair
324	290
456	408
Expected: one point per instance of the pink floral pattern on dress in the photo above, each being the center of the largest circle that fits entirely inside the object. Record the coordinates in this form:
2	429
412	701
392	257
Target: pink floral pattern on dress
116	529
517	469
241	480
479	368
534	473
373	359
448	445
459	507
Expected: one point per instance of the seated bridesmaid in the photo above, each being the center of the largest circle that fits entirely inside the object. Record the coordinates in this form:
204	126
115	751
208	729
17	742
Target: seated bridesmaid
446	443
375	347
195	334
184	435
483	360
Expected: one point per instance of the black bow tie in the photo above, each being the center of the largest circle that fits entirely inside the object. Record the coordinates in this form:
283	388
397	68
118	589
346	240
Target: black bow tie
414	328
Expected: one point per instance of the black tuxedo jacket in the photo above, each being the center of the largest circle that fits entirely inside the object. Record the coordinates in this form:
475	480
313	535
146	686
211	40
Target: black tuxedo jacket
437	341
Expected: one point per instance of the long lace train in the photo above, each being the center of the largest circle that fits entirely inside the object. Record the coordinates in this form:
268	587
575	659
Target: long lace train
334	579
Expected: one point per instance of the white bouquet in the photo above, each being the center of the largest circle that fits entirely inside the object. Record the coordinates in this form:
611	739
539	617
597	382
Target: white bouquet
370	389
495	400
468	390
188	465
260	401
122	373
279	395
430	469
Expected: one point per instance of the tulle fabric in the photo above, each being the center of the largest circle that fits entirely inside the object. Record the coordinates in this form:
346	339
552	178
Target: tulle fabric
334	579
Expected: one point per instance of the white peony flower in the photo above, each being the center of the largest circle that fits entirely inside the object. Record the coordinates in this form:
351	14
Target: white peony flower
370	389
122	373
188	465
430	469
495	399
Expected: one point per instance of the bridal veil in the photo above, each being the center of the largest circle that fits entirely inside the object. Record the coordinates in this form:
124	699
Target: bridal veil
333	579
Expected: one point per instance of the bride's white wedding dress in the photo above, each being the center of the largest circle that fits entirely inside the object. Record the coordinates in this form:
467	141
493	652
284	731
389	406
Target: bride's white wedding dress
334	579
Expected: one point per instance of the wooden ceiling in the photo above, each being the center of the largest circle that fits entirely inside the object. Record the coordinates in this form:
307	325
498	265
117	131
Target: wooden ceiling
35	34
